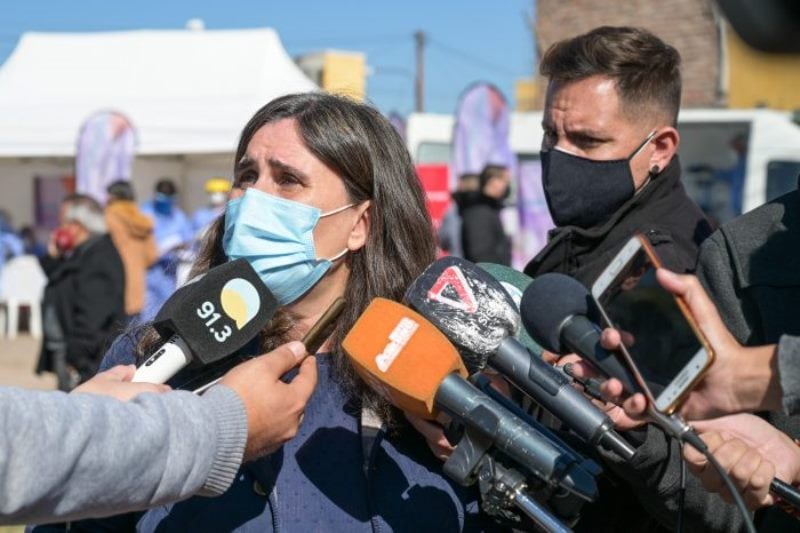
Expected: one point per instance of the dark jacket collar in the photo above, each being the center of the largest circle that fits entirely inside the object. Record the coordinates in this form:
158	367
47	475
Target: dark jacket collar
466	199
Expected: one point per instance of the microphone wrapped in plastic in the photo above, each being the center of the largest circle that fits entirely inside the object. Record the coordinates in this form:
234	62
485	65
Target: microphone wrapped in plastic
481	319
410	363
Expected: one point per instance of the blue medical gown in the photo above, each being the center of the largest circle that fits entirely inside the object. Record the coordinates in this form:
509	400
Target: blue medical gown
171	231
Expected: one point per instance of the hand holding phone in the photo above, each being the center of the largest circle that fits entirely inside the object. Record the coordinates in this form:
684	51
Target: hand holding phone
665	349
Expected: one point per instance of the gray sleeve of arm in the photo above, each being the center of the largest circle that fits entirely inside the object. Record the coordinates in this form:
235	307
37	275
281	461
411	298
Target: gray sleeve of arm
654	474
789	371
65	457
715	270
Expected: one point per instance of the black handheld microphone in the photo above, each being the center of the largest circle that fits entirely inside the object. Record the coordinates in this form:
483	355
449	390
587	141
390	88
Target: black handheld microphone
479	317
208	319
556	311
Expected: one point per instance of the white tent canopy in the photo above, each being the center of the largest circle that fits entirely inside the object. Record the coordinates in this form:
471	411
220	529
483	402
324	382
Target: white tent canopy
186	92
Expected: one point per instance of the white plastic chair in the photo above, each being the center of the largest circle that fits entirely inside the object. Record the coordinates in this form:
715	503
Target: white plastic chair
22	282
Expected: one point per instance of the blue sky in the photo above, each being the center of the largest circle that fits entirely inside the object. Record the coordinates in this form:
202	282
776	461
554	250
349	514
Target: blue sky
469	39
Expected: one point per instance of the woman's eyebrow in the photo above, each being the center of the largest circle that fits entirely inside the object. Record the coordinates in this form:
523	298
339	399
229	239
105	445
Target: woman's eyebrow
277	164
244	162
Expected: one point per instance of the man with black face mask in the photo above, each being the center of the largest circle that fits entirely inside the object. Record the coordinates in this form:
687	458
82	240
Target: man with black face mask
609	154
609	169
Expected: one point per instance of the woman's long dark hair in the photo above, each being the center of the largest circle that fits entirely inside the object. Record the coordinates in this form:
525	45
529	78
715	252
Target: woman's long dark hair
357	143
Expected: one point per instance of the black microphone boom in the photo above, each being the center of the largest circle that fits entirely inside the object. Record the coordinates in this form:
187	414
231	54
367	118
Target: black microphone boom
512	436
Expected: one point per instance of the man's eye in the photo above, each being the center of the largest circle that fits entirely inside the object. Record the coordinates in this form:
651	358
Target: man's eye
587	142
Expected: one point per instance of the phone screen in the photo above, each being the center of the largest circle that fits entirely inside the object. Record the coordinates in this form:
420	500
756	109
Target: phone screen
660	340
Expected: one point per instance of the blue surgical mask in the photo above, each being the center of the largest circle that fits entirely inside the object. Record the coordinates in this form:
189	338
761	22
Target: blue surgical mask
276	236
162	204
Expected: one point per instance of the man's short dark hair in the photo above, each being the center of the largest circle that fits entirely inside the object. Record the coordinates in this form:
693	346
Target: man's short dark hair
166	187
646	69
490	171
121	190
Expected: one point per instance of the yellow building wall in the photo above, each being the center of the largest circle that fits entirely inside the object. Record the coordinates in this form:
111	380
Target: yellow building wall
756	78
344	73
525	92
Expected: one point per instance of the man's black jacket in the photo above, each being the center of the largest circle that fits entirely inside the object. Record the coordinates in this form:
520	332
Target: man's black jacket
87	291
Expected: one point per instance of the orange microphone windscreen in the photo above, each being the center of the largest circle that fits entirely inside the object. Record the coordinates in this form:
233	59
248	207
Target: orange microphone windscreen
401	356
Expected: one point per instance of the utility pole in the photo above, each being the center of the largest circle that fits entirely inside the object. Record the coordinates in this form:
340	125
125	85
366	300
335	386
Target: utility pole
419	82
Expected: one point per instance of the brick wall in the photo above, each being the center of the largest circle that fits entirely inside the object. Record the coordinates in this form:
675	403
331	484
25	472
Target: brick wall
688	25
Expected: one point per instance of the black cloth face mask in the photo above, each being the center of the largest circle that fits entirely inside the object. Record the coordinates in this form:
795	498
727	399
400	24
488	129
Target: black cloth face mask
585	192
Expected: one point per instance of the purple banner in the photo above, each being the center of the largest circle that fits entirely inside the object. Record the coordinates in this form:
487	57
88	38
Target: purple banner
105	152
480	134
534	217
398	123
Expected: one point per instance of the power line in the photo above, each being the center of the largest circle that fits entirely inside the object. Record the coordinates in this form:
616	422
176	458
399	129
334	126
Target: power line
349	40
379	70
469	58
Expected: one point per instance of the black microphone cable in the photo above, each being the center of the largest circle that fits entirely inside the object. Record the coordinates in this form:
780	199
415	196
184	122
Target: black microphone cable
682	491
677	427
591	386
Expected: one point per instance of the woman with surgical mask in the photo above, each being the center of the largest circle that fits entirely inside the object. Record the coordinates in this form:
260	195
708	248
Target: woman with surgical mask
325	204
173	233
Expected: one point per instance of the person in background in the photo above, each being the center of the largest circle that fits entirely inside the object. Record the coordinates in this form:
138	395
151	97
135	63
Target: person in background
217	190
132	233
735	173
482	235
11	244
32	244
450	231
84	301
173	233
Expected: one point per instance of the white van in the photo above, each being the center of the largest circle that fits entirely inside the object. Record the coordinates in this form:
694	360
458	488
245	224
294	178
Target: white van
732	160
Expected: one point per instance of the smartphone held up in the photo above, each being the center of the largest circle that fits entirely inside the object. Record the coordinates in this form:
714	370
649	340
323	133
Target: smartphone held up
662	345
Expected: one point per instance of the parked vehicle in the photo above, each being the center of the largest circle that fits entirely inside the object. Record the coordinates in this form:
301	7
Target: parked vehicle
733	160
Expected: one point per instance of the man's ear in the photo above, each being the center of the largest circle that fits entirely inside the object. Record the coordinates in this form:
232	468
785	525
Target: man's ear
666	143
360	232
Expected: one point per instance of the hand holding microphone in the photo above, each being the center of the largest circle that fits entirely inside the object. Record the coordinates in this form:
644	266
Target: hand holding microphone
569	329
274	408
208	320
751	450
116	383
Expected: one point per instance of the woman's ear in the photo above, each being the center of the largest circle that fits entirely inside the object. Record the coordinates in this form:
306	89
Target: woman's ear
360	232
